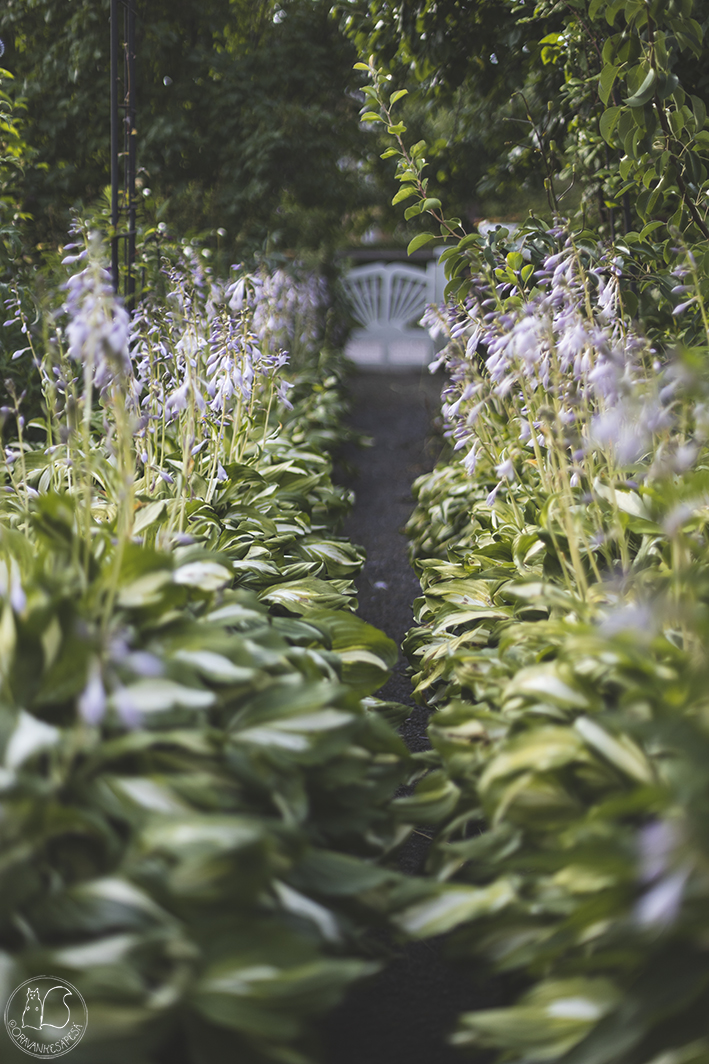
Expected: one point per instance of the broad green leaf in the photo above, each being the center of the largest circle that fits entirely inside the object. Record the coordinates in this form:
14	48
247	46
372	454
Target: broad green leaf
30	737
544	682
435	797
215	667
330	873
608	122
207	576
158	696
307	909
621	751
148	515
605	85
203	833
146	591
455	905
404	193
419	241
646	91
148	794
537	750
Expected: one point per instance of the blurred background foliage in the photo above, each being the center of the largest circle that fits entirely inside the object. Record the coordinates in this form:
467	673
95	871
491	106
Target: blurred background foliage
245	122
248	127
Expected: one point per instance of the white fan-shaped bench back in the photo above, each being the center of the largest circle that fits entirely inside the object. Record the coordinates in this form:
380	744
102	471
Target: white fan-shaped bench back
388	296
388	301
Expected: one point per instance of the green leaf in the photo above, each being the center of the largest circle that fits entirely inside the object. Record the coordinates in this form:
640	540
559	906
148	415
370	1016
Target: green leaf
646	91
608	122
620	751
431	204
420	241
148	515
538	750
607	80
207	576
371	116
158	696
29	737
454	905
700	111
215	667
398	95
404	194
435	798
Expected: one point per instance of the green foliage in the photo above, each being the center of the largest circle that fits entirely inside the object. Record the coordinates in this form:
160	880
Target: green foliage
244	120
15	157
196	795
569	732
613	101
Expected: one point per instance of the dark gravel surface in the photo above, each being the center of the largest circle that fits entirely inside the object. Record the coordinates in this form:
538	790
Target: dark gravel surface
403	1015
397	411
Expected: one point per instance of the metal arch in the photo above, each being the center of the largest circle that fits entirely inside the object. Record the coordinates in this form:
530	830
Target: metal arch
123	148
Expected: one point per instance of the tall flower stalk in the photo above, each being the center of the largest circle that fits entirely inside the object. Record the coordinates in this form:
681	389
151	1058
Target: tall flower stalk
589	405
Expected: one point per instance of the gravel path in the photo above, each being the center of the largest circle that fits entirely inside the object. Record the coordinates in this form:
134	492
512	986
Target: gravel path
396	411
403	1015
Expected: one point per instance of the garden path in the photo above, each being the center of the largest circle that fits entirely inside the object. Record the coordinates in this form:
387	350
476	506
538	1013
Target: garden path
402	1015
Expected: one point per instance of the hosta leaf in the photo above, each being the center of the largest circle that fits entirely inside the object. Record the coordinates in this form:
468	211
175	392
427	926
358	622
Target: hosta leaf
103	952
435	797
203	833
621	751
544	682
454	905
265	1000
307	909
159	695
296	732
538	750
146	591
113	899
330	873
30	737
148	794
215	667
147	516
207	576
302	595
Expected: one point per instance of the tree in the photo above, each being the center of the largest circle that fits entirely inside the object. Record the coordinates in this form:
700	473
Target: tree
244	117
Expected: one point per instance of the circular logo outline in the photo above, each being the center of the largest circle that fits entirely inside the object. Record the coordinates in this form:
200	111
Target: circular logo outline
10	1024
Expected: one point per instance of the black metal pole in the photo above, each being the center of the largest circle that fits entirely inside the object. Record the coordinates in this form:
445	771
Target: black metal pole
123	150
115	142
130	150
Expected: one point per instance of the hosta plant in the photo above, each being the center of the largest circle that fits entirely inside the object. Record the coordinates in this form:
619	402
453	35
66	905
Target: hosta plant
196	779
561	639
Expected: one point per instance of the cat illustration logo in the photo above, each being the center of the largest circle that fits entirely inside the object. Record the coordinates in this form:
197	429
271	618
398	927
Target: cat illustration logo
46	1016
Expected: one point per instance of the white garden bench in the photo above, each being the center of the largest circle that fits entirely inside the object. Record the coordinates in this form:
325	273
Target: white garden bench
387	301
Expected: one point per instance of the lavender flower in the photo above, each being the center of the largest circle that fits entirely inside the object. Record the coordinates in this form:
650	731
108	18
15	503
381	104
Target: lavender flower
98	328
92	700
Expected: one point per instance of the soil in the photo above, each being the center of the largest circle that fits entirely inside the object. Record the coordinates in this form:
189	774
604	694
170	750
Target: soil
403	1015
